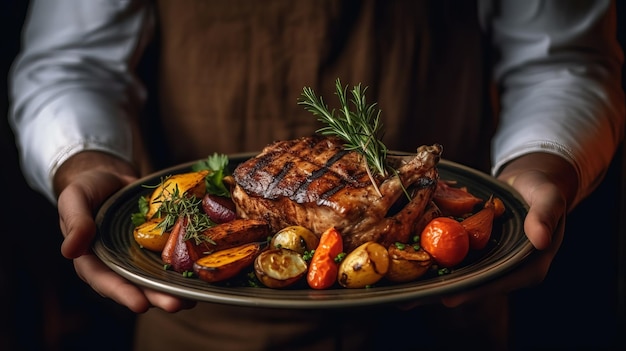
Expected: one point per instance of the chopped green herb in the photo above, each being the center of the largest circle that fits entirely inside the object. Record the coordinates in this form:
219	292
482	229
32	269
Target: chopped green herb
340	257
443	271
308	255
181	205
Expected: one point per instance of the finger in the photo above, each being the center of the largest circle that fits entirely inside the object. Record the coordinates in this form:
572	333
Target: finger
108	284
76	222
547	205
167	302
77	204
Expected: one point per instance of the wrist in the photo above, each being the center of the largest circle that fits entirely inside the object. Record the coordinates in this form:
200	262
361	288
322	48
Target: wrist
555	168
86	161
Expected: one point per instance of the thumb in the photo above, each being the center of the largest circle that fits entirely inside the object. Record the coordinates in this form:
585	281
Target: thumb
547	206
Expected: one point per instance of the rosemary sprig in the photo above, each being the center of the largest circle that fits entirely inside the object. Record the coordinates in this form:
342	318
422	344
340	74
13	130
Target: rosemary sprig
178	205
360	128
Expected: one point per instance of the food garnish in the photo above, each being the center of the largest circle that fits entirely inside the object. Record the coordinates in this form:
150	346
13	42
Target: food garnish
360	128
217	164
180	205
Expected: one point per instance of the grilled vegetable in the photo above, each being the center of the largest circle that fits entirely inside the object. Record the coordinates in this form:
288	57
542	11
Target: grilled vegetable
406	263
279	268
176	253
480	224
296	238
150	236
225	264
323	268
191	183
446	240
219	208
364	266
235	233
453	201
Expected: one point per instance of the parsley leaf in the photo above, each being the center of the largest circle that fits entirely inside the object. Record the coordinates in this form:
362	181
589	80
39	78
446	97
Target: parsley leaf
218	165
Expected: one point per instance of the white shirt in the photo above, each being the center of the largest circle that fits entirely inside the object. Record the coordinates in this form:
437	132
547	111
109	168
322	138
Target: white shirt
73	87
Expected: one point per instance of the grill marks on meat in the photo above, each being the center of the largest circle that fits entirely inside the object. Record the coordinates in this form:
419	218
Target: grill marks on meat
315	183
303	170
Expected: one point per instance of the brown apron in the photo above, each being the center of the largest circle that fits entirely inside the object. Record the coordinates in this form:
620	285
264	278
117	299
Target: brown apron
229	77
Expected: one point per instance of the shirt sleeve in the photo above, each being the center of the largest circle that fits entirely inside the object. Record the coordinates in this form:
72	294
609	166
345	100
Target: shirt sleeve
72	86
558	70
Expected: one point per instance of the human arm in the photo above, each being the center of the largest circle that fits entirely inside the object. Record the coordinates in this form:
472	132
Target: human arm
72	86
74	105
558	70
561	117
559	76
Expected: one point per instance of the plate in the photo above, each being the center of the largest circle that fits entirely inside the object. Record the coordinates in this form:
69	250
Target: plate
117	248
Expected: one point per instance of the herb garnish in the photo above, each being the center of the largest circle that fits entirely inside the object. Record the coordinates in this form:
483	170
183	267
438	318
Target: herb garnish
180	205
361	128
217	164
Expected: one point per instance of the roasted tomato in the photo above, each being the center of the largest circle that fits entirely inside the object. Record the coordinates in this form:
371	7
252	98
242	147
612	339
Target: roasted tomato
446	240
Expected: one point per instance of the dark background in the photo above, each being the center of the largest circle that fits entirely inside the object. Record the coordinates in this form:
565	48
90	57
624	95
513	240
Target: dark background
44	306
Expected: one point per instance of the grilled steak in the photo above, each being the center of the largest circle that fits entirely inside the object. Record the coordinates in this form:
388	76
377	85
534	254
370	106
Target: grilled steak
314	182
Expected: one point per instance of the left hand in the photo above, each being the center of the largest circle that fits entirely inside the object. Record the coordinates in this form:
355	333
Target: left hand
548	184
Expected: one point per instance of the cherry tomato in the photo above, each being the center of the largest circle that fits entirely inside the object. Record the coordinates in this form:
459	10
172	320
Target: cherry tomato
446	240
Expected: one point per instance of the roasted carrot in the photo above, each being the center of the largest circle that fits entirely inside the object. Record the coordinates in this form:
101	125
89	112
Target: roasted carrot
323	269
169	254
180	253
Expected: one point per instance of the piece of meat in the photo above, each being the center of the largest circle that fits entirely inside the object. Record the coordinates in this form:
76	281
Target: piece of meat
314	182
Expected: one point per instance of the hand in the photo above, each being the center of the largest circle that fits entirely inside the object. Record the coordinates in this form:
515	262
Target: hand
548	184
83	183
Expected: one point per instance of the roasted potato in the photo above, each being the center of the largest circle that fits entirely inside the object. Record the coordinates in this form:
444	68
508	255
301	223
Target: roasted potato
407	264
149	236
225	264
279	268
364	266
191	183
296	238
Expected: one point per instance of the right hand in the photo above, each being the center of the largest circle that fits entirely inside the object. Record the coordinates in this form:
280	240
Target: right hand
83	183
